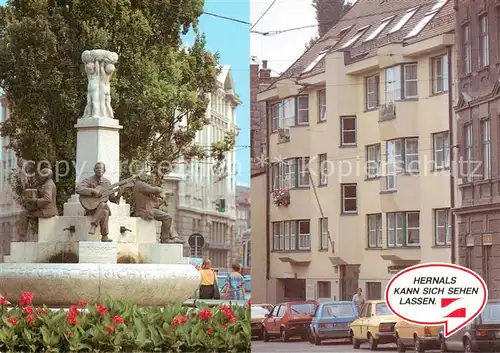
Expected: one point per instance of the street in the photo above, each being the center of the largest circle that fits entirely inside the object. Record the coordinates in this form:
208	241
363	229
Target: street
304	346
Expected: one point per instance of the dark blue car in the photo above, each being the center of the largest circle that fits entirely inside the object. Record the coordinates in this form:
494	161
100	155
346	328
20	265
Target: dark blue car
331	321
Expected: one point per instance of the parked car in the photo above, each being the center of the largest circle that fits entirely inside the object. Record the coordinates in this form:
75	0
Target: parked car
374	325
258	315
420	338
481	335
288	320
331	321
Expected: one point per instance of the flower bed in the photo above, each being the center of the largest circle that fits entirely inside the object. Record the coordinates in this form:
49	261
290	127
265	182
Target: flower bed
115	326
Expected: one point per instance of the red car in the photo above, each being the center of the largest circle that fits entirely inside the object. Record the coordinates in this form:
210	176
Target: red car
288	320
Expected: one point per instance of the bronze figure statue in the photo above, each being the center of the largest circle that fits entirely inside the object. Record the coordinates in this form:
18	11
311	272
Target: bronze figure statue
95	192
146	198
40	203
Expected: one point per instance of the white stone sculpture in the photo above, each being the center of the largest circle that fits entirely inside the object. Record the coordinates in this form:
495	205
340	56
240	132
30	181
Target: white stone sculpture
99	66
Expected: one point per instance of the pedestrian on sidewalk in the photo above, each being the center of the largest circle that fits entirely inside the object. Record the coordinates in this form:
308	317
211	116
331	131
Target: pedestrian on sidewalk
208	283
358	300
235	288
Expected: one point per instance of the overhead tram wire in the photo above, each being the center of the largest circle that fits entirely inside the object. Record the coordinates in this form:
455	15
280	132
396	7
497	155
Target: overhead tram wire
263	14
226	18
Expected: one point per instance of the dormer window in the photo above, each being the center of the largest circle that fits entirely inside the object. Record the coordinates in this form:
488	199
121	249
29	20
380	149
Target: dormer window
426	19
409	14
315	62
358	35
379	29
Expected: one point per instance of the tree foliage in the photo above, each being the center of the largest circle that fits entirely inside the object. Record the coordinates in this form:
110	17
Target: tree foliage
328	14
159	90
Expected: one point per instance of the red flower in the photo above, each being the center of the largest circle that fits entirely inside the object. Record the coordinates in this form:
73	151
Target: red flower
225	325
110	329
28	310
73	310
184	319
205	314
72	318
26	298
82	304
3	301
210	331
30	319
233	320
70	334
249	302
40	311
102	310
12	320
117	319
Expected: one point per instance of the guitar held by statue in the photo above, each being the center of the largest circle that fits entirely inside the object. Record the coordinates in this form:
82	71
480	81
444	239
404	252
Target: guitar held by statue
102	193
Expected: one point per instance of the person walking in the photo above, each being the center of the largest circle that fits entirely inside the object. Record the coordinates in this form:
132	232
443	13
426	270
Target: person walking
358	300
235	288
208	283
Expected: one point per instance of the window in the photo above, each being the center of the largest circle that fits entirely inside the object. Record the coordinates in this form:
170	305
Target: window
348	130
349	198
467	49
410	88
403	229
403	20
423	22
322	105
373	290
412	163
392	84
283	114
441	150
483	40
323	169
394	162
353	40
442	226
304	235
374	230
486	136
468	151
373	161
303	109
323	233
291	173
303	170
324	289
315	62
440	74
379	29
372	89
284	236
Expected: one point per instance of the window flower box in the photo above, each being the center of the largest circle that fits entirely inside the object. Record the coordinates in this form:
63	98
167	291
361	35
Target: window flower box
281	197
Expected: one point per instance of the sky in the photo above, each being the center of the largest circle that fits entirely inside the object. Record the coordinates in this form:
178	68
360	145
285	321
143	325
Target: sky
231	40
283	49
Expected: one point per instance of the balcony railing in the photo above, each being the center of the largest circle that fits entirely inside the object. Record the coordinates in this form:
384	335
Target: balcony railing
387	111
388	183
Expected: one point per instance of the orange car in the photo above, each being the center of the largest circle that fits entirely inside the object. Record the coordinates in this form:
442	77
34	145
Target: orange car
420	338
289	319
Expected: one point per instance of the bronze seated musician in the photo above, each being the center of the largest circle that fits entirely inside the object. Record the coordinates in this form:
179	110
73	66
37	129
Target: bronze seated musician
98	188
145	197
42	204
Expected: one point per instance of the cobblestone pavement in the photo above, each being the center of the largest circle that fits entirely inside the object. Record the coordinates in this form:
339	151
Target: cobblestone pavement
329	346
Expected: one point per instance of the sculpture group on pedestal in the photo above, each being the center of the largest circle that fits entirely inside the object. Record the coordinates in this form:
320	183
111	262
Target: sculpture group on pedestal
95	191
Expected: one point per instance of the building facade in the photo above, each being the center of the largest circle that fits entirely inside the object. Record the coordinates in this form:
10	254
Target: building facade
9	208
197	187
359	143
259	79
243	225
478	123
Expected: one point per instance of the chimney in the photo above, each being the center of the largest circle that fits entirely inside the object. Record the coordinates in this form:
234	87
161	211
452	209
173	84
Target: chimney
264	73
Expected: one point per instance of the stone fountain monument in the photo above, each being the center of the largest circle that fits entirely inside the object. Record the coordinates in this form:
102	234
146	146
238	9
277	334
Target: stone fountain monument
156	273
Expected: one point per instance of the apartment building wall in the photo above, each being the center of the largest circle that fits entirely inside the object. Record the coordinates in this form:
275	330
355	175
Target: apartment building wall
478	120
331	260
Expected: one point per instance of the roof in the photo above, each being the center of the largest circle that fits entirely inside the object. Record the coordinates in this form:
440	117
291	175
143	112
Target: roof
368	15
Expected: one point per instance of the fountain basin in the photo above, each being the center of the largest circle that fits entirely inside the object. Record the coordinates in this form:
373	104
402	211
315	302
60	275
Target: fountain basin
66	284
